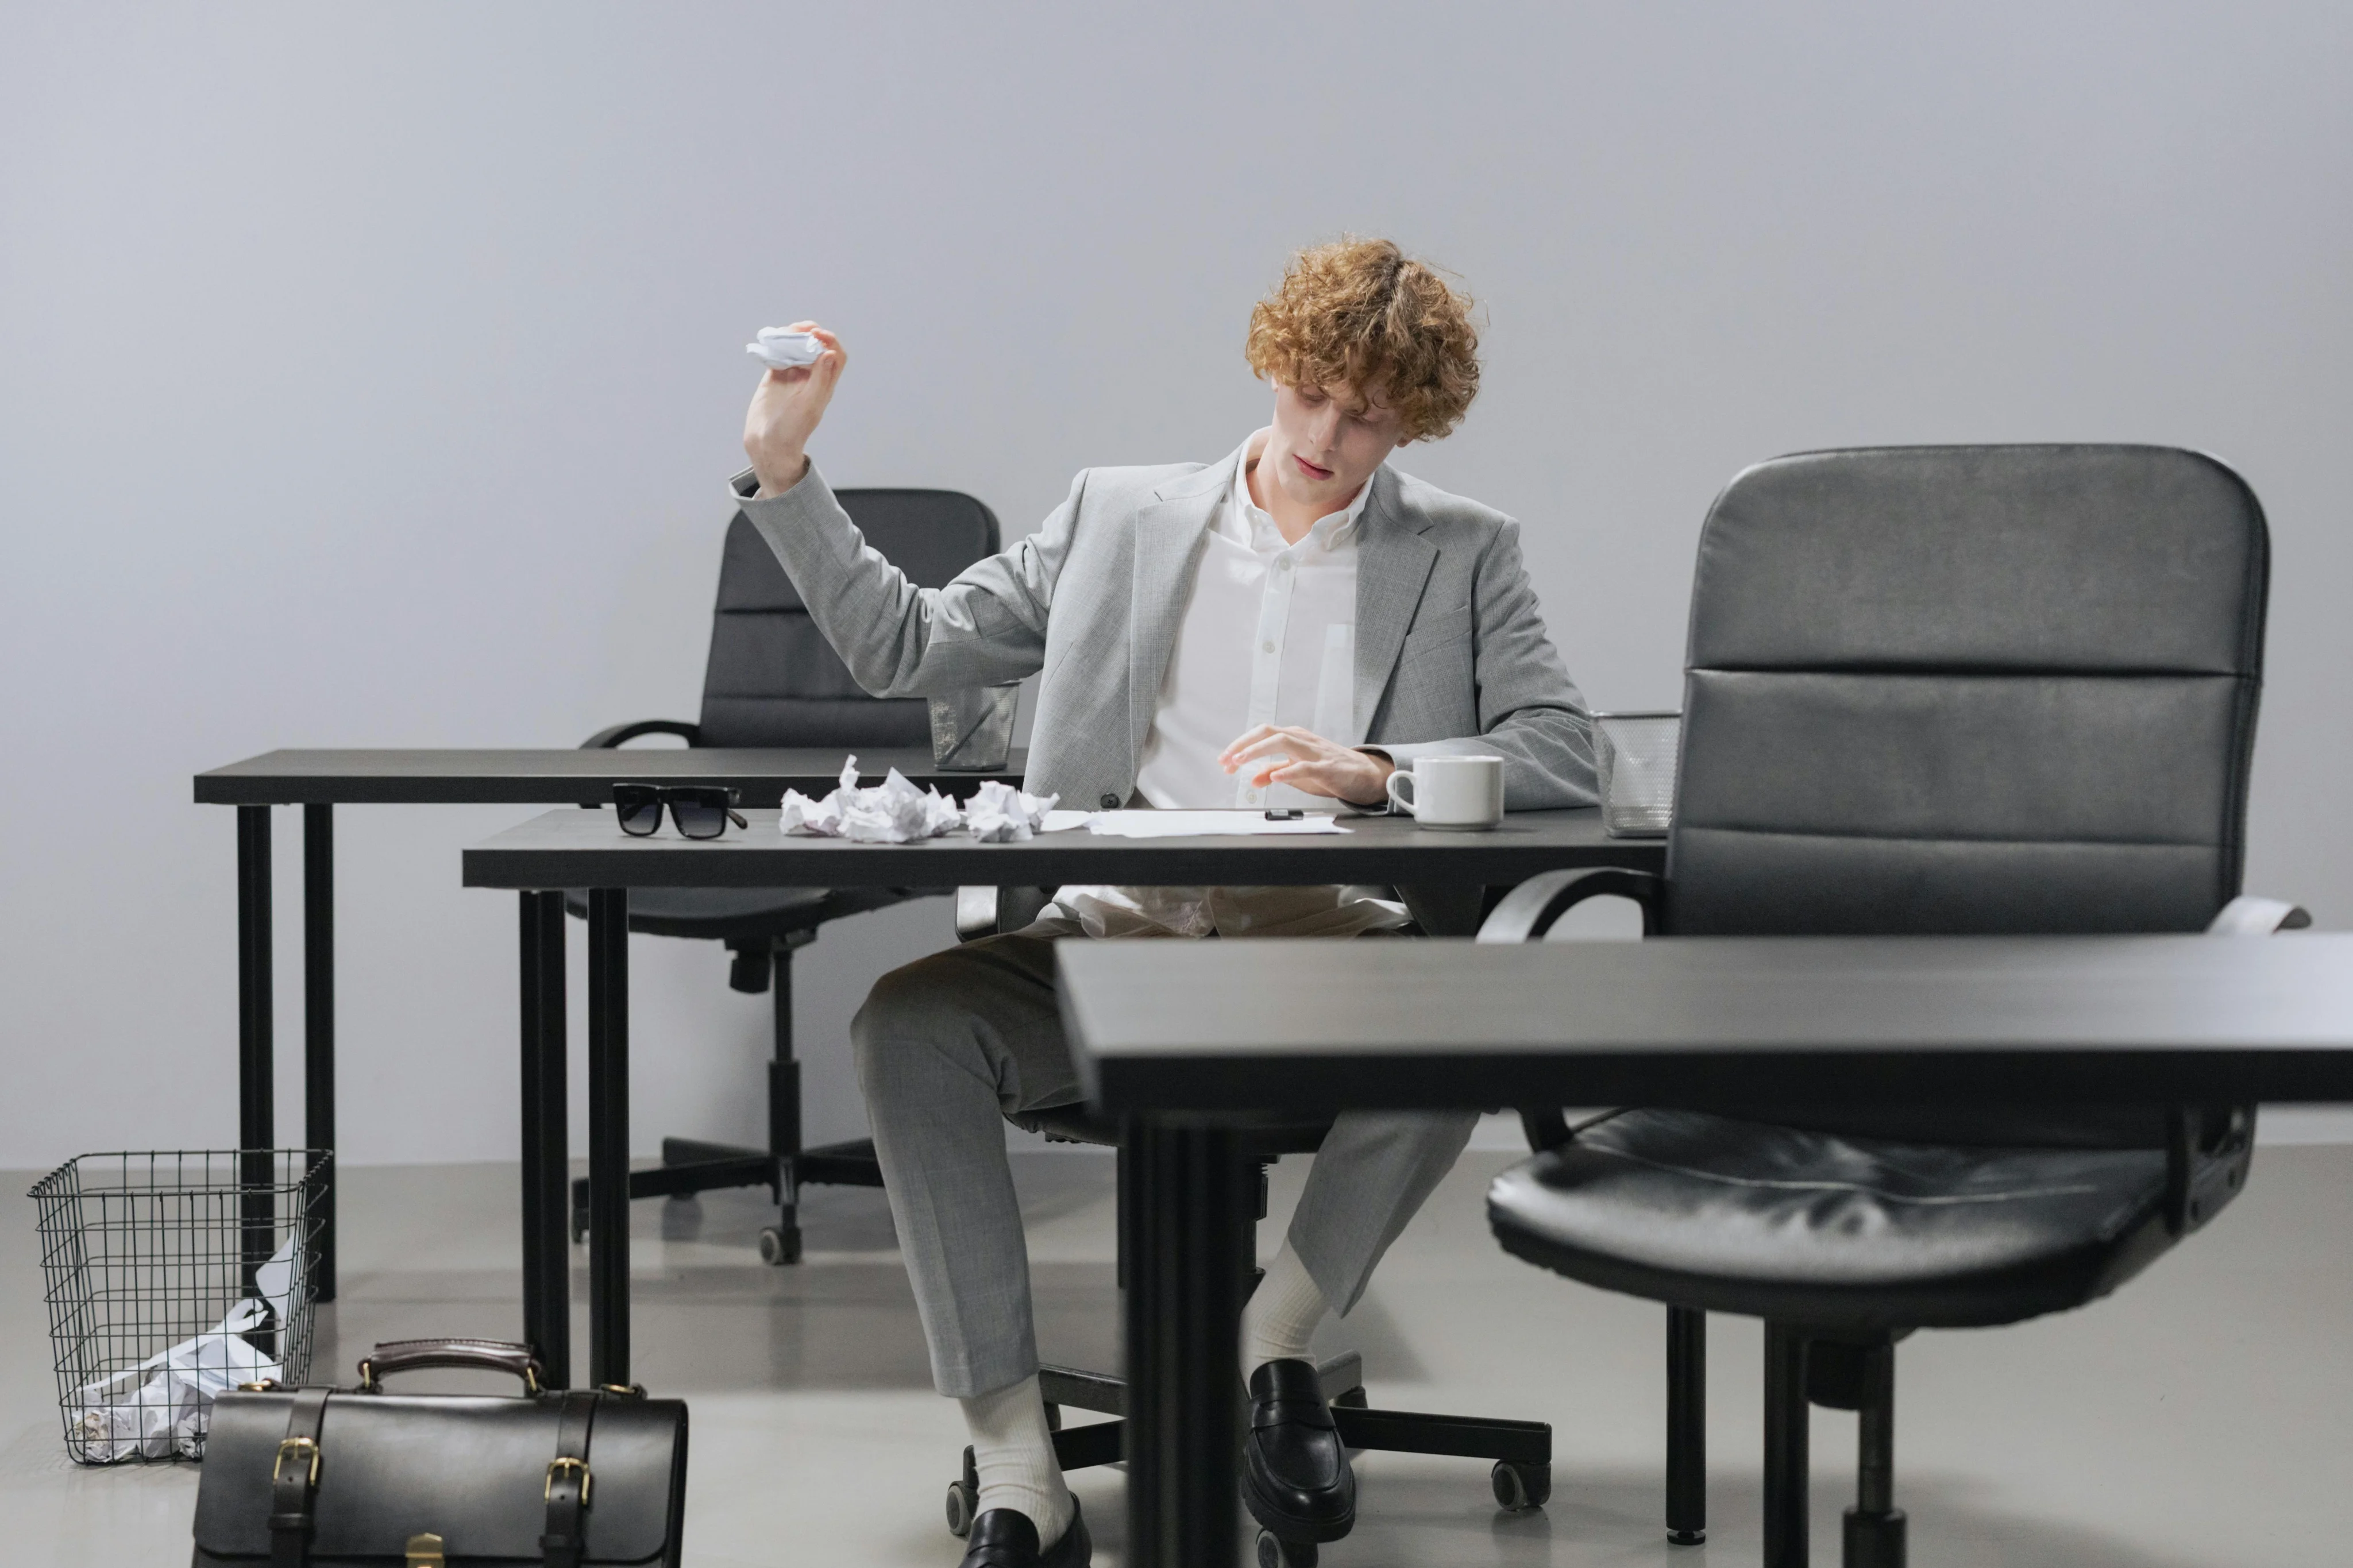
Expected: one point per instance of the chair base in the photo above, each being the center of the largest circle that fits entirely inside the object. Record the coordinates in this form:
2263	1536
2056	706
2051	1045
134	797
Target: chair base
690	1165
1522	1451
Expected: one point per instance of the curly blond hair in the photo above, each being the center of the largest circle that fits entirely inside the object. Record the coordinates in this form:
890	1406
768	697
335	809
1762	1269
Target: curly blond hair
1361	312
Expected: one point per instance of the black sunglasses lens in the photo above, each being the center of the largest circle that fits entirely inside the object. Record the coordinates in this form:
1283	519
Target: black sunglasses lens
701	815
639	809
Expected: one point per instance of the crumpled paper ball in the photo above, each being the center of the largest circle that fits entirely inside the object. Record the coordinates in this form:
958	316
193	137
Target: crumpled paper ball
999	814
893	812
783	349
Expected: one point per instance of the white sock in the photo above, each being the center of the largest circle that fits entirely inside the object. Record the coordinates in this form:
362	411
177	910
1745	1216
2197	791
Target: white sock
1013	1450
1282	1313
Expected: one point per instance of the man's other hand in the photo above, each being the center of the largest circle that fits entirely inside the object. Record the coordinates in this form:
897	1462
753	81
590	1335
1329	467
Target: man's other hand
1287	754
785	408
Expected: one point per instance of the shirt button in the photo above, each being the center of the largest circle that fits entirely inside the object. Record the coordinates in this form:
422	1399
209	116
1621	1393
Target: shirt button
1266	647
1110	802
1283	564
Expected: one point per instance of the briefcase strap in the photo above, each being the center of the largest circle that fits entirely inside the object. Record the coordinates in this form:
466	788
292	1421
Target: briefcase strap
295	1479
569	1482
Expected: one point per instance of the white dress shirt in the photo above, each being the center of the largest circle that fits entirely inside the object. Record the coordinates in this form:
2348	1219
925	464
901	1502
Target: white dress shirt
1268	638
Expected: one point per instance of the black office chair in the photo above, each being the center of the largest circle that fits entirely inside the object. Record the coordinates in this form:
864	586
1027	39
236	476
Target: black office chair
1521	1474
773	681
1933	690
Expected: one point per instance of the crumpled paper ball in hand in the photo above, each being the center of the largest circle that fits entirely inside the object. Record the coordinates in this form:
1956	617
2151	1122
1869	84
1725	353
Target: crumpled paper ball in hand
999	814
893	812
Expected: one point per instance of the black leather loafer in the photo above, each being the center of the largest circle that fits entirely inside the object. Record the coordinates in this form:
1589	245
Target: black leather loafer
1006	1538
1295	1474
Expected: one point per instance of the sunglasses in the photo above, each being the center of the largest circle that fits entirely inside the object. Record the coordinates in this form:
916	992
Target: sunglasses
700	810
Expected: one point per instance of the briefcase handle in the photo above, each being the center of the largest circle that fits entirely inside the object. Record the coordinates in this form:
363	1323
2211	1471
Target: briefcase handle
478	1355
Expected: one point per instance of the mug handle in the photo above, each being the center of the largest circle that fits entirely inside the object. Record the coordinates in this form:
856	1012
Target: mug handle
1400	801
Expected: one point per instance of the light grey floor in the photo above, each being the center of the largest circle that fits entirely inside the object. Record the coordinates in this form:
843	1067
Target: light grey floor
2204	1415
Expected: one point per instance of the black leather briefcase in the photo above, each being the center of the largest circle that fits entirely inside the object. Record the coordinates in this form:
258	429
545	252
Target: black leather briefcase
322	1478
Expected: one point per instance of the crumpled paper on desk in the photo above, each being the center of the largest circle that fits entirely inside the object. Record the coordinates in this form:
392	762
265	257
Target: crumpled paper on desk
999	814
169	1408
893	812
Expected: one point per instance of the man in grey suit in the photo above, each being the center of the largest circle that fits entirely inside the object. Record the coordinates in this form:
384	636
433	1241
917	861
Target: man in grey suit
1291	623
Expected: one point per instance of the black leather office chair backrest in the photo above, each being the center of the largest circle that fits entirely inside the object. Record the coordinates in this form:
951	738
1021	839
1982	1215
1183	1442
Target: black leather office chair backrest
1970	690
773	681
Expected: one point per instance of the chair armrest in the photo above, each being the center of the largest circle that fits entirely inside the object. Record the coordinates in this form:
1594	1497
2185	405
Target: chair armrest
2247	915
1531	909
2207	1151
1548	1129
987	911
2208	1147
606	739
975	914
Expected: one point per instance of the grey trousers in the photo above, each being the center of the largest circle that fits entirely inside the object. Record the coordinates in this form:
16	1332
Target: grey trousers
952	1042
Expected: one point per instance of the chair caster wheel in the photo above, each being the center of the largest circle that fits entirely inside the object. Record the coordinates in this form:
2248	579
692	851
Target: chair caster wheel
782	1246
1276	1552
1874	1540
1519	1487
961	1504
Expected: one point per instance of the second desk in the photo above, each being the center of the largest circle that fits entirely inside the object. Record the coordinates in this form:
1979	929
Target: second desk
587	850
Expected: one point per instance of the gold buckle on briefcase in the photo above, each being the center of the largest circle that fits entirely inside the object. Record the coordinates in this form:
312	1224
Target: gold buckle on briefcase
297	1444
547	1492
424	1551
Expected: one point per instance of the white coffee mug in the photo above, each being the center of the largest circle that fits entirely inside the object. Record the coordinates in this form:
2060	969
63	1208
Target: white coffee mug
1463	793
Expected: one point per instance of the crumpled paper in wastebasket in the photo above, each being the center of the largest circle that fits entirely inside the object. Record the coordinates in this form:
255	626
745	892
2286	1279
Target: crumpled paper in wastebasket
168	1408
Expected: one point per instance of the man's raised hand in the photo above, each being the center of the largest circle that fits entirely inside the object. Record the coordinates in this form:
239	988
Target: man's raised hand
785	408
1287	754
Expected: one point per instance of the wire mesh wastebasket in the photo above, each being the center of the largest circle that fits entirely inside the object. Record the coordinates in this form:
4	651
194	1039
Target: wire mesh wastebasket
1634	757
171	1277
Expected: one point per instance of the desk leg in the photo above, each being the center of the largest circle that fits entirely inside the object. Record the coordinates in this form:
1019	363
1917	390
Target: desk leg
255	1069
1189	1201
1686	1426
546	1141
609	1136
319	1023
1786	1437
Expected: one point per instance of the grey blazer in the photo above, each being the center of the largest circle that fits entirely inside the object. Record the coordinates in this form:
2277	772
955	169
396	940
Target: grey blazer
1452	655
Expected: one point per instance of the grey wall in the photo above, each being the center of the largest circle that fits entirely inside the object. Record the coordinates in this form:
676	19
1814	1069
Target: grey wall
368	375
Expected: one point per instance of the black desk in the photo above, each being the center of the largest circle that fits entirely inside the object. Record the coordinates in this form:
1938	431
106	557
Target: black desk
570	850
319	781
1184	1039
576	849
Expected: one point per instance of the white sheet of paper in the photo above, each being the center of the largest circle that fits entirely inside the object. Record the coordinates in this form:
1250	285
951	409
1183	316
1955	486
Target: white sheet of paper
1196	824
1063	821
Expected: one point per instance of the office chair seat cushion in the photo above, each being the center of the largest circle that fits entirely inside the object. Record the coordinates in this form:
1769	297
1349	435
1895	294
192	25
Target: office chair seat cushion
1832	1232
745	914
